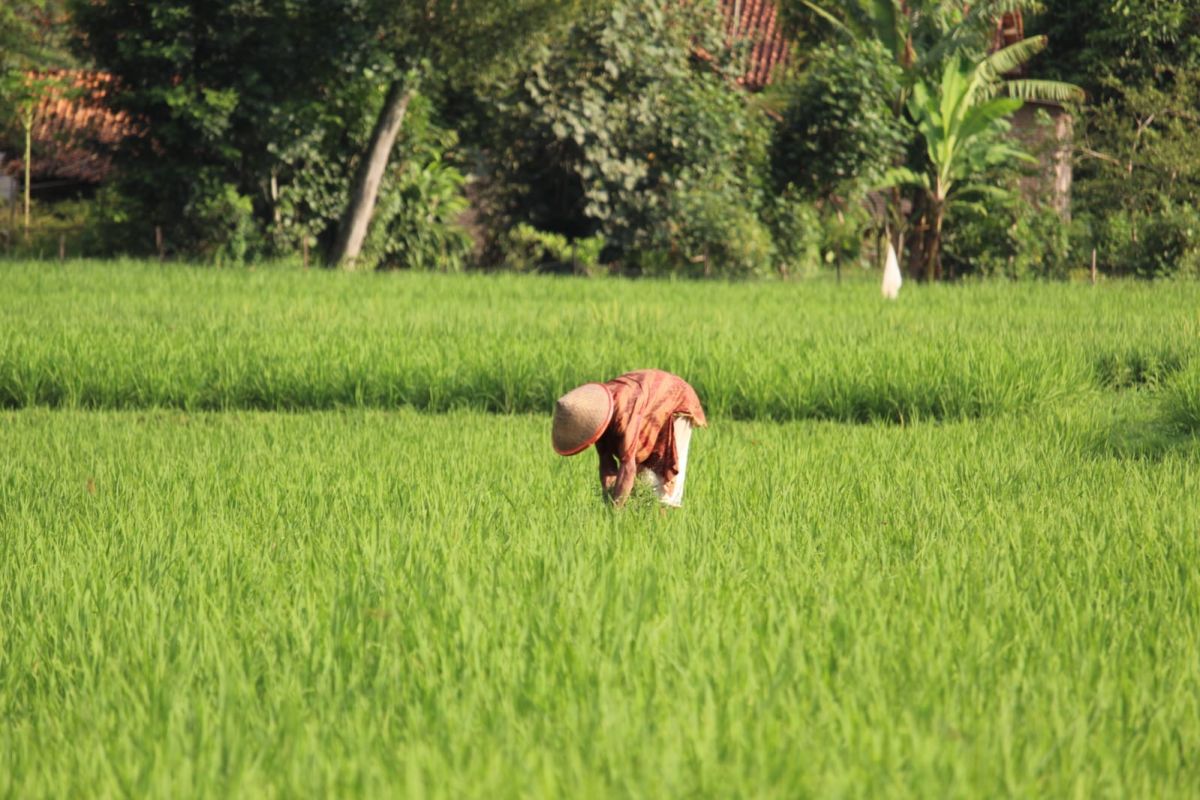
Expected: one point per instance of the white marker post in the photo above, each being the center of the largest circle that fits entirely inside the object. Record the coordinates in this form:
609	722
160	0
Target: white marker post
891	275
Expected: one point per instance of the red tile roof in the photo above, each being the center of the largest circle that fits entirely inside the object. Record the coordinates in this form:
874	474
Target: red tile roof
756	23
71	129
1010	29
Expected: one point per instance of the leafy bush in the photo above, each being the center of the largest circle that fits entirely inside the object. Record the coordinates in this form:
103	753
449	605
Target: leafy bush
839	133
708	232
527	248
220	223
1169	240
798	233
1015	239
1150	245
416	223
615	129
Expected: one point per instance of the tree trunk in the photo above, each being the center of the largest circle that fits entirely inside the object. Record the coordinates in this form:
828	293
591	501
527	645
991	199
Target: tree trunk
919	241
933	250
352	230
28	167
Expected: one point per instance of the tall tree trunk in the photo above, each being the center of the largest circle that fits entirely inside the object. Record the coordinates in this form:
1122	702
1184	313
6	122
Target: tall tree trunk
28	167
919	239
935	241
352	230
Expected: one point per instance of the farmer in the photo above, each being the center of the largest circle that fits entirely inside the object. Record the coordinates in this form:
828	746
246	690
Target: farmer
641	423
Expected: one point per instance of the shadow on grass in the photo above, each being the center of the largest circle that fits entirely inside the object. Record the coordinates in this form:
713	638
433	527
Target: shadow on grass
1140	427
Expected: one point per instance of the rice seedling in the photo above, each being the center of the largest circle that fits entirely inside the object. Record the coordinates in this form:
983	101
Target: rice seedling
364	603
199	597
138	335
1181	400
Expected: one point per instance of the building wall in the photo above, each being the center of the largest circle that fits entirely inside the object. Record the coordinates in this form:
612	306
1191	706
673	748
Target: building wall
1046	130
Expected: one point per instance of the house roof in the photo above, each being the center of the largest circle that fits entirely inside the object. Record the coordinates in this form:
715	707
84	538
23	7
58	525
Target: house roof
1010	29
72	128
756	22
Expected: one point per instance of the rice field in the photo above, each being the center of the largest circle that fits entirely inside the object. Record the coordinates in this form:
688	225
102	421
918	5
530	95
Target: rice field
137	335
266	534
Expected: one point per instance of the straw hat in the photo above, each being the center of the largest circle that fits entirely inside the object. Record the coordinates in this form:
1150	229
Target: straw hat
580	416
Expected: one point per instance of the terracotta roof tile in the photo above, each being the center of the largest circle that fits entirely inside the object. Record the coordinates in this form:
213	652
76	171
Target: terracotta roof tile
72	128
756	23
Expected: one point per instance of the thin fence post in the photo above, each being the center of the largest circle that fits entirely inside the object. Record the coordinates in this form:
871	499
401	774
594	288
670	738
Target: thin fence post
62	247
158	241
304	248
1093	266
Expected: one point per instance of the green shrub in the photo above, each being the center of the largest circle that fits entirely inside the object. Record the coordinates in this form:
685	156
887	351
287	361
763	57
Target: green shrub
221	225
709	232
798	235
527	249
1014	240
416	222
839	133
614	129
1149	245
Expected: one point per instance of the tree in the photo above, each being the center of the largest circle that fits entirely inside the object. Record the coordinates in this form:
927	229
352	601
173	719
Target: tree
439	40
619	128
1136	175
32	41
242	112
962	129
923	37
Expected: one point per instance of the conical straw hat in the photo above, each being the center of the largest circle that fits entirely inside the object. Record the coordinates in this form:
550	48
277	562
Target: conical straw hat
580	416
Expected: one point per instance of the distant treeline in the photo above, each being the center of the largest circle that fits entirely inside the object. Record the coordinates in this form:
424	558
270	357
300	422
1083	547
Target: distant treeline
638	136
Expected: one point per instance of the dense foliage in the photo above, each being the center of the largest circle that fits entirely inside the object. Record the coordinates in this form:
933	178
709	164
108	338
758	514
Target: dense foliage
250	116
839	134
625	122
1137	173
619	130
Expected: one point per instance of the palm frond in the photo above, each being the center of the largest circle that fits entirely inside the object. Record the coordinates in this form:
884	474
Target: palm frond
1051	91
828	17
1010	58
902	176
885	17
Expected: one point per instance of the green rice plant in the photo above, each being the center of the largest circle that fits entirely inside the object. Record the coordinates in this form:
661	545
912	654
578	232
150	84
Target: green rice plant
371	603
141	335
1181	401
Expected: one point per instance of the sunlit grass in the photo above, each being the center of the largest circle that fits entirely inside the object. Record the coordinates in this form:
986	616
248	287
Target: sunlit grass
1181	401
993	594
371	603
135	335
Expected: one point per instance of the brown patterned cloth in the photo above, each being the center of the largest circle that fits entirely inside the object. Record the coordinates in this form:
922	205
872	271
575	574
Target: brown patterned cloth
641	434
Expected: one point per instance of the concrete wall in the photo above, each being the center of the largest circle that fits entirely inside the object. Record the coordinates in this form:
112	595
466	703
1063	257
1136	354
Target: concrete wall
1046	130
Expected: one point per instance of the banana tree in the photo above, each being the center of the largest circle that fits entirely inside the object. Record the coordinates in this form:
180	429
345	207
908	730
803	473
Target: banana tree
963	133
928	40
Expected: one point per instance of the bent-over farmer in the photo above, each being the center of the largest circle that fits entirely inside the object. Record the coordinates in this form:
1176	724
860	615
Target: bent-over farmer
641	423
